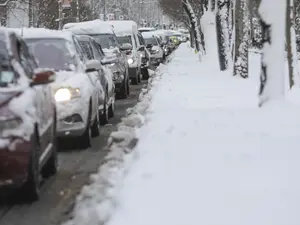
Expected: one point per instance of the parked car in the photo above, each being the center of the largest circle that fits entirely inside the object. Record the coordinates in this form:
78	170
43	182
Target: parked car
165	35
127	33
104	35
27	118
93	51
156	51
77	90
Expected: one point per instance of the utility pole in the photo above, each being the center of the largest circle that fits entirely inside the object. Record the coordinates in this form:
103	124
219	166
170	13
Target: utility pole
60	15
77	11
104	10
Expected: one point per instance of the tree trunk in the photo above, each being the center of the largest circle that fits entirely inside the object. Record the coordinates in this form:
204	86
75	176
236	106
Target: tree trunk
242	39
222	26
195	27
251	15
272	60
289	44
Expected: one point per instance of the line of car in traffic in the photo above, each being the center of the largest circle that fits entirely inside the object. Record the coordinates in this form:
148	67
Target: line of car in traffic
63	84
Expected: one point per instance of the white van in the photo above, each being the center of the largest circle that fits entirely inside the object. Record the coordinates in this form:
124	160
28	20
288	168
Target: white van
127	33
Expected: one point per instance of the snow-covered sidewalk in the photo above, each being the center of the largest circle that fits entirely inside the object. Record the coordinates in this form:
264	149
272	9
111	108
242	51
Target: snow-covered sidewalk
209	156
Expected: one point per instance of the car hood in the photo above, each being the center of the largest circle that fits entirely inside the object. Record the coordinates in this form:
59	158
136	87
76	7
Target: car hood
70	79
5	97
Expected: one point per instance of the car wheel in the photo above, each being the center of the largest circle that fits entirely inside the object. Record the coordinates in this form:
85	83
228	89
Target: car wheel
95	129
104	114
111	110
128	87
51	166
123	94
145	74
139	76
86	138
31	188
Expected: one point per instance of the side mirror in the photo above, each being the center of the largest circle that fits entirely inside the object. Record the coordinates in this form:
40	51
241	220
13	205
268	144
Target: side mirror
43	77
92	66
141	48
126	47
149	46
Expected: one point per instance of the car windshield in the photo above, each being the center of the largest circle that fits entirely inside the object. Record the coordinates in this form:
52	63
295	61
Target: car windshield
125	39
51	53
151	41
105	40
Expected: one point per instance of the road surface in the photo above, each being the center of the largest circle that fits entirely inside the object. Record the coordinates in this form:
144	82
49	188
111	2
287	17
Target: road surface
58	193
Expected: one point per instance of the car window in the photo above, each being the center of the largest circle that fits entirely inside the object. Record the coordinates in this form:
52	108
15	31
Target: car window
151	41
96	51
99	48
106	40
25	58
135	42
79	50
86	47
141	40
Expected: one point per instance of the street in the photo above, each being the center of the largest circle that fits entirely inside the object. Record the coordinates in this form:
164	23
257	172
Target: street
59	192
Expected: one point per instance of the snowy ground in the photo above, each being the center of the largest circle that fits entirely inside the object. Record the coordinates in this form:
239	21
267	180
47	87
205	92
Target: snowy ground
209	156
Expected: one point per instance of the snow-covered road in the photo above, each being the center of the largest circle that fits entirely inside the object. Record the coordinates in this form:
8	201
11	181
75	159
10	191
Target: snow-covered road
210	156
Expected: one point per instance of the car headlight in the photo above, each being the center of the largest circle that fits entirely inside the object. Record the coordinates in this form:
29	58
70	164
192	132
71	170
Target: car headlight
112	64
130	61
66	94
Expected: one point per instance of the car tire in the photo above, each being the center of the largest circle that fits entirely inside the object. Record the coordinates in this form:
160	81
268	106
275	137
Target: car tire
95	129
139	76
135	80
31	188
51	167
145	74
123	94
128	87
111	110
86	138
104	114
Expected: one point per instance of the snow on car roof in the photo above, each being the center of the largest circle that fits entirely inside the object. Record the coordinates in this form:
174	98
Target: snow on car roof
69	25
147	28
91	27
124	26
43	33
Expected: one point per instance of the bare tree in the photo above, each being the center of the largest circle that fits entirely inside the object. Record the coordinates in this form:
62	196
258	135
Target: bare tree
242	36
222	26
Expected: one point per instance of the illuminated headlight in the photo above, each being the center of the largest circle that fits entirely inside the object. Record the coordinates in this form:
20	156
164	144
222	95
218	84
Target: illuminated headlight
66	94
130	61
112	64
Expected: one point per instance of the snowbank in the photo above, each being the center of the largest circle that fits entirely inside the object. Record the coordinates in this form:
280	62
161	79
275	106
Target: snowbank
210	156
97	200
